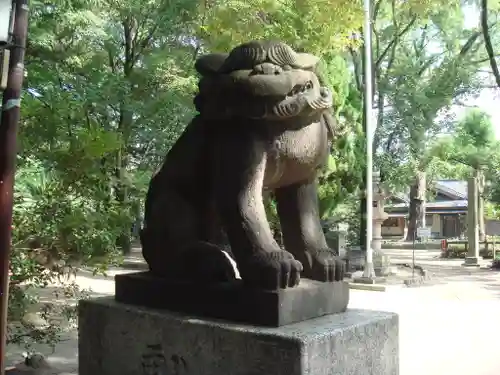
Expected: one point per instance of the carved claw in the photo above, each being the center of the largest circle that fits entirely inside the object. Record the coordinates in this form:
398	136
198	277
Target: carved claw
324	265
271	270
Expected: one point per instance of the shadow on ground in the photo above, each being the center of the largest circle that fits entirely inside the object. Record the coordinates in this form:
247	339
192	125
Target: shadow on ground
64	357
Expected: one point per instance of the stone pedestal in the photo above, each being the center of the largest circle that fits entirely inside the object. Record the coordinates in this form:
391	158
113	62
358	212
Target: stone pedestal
379	216
233	301
471	262
336	239
119	339
356	258
381	262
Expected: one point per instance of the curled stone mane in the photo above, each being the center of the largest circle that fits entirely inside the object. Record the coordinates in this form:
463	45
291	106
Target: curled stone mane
261	80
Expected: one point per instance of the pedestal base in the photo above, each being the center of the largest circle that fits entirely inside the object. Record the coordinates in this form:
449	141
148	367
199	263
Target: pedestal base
369	280
471	262
381	263
356	261
233	301
119	339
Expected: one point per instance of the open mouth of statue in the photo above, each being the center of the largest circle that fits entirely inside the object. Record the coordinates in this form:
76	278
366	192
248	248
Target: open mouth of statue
307	88
300	89
301	100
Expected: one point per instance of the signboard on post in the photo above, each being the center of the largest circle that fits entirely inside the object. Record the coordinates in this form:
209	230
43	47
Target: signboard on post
6	29
5	21
342	227
423	232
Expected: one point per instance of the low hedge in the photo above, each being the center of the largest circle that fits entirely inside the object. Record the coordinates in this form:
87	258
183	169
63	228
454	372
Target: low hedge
460	251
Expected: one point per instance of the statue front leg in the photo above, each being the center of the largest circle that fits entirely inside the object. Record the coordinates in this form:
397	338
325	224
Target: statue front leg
302	232
261	262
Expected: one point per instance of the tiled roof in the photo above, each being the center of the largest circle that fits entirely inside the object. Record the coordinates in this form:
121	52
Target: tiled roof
455	187
441	204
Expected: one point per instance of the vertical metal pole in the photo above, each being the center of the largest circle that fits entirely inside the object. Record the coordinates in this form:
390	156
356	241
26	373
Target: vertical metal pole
8	133
368	271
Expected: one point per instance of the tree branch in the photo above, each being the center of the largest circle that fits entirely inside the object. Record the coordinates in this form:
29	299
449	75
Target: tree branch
144	43
394	40
111	61
462	104
469	44
357	71
487	41
482	60
374	28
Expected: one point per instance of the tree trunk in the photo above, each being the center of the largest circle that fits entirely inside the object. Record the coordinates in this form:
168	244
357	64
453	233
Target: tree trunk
124	125
124	240
417	205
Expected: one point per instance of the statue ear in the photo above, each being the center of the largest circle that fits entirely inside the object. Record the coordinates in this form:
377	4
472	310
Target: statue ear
210	64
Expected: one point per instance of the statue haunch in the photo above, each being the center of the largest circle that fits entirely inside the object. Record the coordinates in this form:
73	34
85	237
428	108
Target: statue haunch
263	125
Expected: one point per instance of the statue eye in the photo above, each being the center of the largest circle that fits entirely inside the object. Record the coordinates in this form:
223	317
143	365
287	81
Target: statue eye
258	69
286	67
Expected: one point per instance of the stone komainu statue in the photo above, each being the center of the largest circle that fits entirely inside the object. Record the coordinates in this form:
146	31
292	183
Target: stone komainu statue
263	125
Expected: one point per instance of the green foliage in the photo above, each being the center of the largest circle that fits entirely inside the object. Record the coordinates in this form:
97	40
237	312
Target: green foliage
66	221
472	146
475	139
424	65
56	229
342	176
491	211
472	143
314	25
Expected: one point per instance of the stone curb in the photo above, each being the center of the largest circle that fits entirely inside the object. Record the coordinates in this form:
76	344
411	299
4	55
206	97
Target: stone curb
368	287
417	281
134	264
422	277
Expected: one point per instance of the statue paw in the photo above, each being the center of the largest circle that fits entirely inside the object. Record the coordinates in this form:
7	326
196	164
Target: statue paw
324	265
271	270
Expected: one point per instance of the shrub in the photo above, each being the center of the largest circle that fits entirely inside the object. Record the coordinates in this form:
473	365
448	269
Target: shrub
56	229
